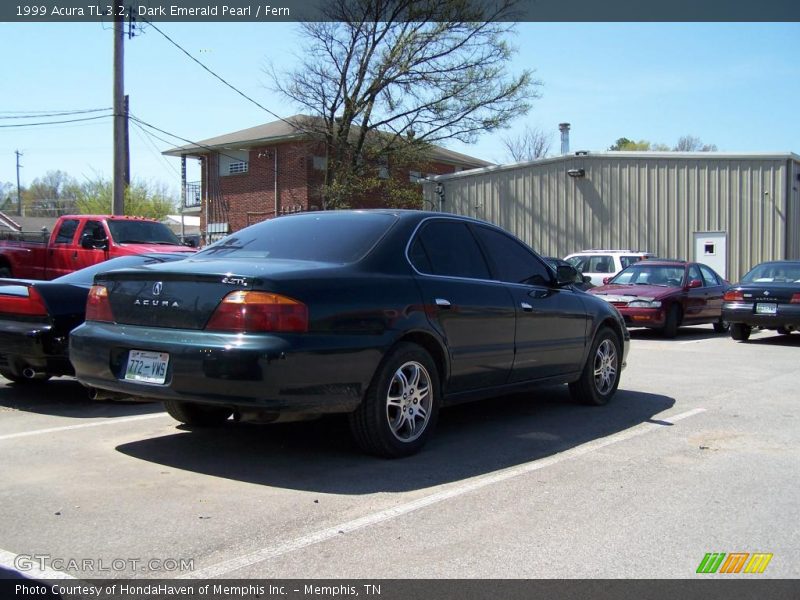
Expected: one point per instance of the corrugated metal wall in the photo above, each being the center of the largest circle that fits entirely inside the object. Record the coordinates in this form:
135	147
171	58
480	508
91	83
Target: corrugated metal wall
641	201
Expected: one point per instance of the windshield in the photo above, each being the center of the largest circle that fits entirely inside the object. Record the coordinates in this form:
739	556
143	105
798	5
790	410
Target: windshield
649	274
338	237
86	276
774	273
141	232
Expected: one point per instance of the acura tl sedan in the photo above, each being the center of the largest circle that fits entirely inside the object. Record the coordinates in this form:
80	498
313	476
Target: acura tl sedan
384	315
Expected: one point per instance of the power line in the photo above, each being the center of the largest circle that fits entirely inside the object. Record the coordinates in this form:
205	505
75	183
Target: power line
183	139
39	114
222	79
149	141
57	122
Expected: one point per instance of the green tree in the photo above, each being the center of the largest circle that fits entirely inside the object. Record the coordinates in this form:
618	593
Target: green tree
142	199
50	195
382	77
690	143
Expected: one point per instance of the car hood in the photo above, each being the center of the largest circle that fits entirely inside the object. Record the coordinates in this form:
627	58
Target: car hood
627	293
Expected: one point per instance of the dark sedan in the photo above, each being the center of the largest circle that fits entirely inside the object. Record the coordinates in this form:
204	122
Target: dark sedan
768	296
36	318
664	295
385	315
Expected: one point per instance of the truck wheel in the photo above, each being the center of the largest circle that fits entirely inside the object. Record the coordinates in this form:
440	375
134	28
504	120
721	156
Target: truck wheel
195	414
784	331
600	377
740	331
401	405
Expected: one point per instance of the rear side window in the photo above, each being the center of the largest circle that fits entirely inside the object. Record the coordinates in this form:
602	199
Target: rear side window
448	248
67	231
627	261
596	263
709	276
512	261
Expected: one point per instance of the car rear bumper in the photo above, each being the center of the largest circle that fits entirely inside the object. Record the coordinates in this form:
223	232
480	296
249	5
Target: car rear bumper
744	312
297	373
33	344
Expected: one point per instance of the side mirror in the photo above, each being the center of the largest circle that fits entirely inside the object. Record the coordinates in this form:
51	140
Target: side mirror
606	280
566	274
695	283
587	279
90	243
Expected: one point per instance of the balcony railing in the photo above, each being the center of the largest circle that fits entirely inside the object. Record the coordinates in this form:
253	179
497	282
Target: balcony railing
193	194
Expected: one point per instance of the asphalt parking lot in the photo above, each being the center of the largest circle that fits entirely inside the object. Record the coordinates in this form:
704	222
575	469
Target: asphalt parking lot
697	453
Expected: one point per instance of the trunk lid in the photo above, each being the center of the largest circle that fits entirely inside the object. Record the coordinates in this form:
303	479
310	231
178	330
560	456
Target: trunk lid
184	295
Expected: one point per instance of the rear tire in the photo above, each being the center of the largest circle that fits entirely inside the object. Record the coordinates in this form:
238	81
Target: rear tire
721	326
672	322
198	415
400	408
600	377
740	331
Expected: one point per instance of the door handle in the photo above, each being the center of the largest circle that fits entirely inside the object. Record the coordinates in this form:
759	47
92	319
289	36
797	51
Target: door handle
526	306
443	302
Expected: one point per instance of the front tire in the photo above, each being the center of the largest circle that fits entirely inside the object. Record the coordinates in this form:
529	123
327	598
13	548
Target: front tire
198	415
672	322
401	405
740	331
600	377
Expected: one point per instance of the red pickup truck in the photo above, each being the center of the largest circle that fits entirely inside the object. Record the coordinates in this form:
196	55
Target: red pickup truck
78	241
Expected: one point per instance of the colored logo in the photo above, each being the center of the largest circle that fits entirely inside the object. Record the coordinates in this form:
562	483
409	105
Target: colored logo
735	562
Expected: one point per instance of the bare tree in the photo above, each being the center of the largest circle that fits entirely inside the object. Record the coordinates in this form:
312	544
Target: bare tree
387	76
530	144
690	143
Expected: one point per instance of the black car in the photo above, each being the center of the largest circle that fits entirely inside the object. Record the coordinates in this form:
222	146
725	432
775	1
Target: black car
768	296
581	281
37	316
385	315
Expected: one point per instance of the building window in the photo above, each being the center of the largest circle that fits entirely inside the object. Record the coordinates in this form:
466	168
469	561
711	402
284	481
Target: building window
237	167
233	162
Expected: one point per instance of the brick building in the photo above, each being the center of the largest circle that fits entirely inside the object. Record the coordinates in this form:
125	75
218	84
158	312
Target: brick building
272	169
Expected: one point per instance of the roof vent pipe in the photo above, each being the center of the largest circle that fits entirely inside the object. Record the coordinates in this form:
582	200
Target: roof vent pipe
564	129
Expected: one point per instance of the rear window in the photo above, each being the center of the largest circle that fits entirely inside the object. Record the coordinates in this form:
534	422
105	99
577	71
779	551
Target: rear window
774	273
320	237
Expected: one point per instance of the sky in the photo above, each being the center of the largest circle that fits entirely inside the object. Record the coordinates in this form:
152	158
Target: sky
735	85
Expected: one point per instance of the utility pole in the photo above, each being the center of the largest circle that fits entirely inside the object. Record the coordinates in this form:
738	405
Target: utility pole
118	199
19	196
127	150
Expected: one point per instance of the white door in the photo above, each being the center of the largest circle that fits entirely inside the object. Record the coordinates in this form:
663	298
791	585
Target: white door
711	248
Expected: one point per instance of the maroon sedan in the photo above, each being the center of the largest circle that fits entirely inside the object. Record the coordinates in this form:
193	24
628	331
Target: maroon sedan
664	295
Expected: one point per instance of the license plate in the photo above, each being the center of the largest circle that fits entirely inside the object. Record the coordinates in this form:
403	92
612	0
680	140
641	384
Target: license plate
150	367
766	309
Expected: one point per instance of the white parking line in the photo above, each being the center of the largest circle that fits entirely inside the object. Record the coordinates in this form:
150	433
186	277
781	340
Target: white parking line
16	562
470	485
11	436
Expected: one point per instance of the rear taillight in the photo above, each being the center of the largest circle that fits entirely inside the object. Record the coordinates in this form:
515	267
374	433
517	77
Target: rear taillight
98	306
248	312
29	305
733	296
795	299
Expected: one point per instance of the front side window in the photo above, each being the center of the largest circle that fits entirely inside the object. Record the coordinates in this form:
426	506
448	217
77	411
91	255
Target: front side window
512	261
448	248
694	273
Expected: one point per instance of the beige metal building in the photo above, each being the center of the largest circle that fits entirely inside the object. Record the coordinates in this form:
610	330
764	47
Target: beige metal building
730	211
